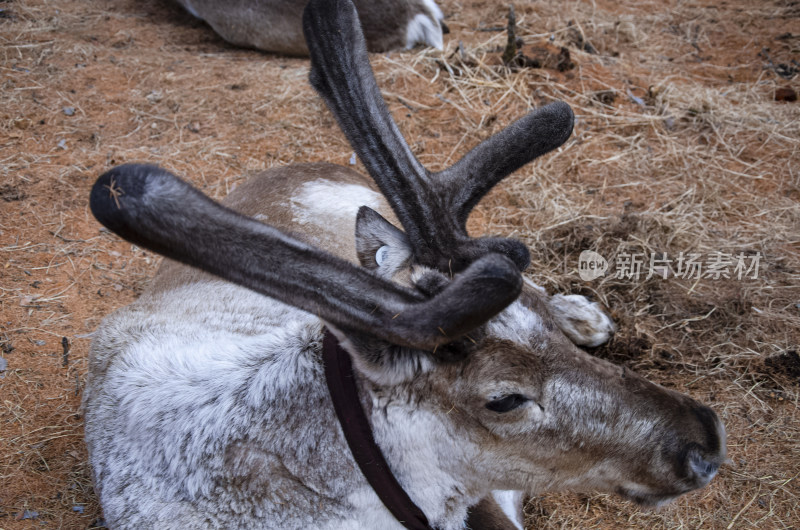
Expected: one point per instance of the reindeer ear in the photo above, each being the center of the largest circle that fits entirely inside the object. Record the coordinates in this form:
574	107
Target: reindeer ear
379	244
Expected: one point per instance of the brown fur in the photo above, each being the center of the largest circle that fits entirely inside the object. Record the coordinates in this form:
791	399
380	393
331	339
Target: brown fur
275	25
487	515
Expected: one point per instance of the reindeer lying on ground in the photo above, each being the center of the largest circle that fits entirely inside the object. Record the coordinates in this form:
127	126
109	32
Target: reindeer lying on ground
276	25
209	404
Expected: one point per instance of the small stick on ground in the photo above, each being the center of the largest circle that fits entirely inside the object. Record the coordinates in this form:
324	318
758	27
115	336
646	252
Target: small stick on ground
65	355
511	51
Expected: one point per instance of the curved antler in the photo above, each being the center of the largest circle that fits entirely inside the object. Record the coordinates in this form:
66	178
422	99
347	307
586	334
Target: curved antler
433	208
469	179
154	209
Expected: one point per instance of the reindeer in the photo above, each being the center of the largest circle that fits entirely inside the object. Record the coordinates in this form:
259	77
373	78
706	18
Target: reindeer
214	400
276	25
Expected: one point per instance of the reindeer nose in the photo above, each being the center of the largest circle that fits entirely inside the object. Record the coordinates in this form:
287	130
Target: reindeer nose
700	469
707	452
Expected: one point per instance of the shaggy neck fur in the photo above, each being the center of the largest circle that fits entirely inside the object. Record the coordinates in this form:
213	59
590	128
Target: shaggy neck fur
357	431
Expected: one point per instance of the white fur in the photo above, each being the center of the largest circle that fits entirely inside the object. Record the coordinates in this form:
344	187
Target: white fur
595	326
435	11
325	209
210	363
596	412
324	201
510	501
423	29
569	310
426	28
520	325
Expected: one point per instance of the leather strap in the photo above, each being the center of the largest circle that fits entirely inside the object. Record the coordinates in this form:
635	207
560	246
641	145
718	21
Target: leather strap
358	433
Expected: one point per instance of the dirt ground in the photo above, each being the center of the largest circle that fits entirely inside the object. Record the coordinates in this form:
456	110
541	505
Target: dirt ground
687	140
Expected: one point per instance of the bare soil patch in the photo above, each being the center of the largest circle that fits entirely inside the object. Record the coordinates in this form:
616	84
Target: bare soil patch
686	142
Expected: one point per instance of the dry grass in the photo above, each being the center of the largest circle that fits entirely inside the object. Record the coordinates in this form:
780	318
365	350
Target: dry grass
679	147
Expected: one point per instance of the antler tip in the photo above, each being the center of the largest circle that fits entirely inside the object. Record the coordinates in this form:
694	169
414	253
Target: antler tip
563	119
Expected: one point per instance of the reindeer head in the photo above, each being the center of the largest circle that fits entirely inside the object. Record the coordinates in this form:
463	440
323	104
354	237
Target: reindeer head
541	415
433	313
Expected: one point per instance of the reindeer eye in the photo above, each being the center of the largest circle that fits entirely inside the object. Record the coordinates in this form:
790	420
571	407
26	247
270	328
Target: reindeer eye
506	403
